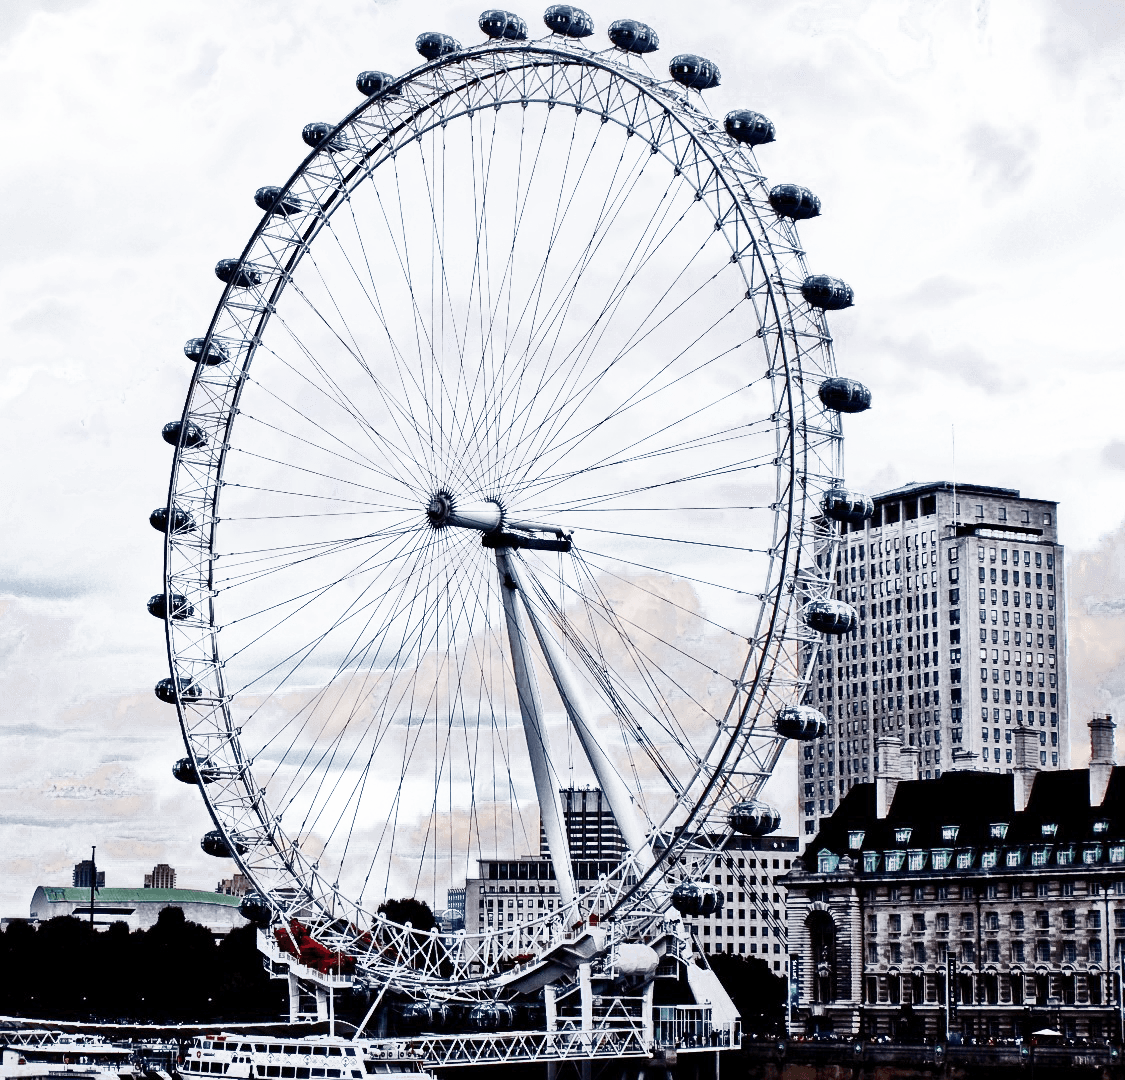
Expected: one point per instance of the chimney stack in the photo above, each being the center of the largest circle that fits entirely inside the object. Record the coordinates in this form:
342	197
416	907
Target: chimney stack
1027	765
888	750
964	761
1101	757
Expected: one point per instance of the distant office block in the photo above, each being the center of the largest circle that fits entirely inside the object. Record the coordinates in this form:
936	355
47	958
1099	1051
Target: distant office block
237	885
82	874
162	877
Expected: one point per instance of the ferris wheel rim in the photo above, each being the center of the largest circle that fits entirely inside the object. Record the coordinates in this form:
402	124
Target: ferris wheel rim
782	593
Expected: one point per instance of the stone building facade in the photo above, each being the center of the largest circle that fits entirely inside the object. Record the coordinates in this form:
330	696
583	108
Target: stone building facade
1008	888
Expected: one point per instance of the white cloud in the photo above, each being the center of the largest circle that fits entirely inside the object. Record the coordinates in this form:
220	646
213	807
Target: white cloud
43	28
204	75
1002	159
1096	617
1110	458
257	51
105	68
207	124
365	10
830	82
16	93
890	330
1080	50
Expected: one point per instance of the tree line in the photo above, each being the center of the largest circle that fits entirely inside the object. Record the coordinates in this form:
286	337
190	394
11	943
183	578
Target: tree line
174	972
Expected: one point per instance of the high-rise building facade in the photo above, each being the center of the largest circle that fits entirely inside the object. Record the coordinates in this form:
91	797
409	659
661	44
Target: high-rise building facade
83	872
591	830
961	638
163	876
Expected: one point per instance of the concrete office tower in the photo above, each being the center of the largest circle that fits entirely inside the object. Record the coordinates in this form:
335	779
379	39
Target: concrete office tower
591	831
163	876
961	640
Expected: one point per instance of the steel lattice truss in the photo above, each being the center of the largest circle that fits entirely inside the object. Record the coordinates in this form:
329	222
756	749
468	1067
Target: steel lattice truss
743	749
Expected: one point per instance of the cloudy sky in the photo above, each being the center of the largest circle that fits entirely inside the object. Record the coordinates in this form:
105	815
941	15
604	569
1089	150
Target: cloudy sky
969	157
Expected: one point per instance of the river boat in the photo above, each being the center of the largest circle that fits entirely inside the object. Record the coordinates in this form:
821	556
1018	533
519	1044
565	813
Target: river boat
314	1057
40	1052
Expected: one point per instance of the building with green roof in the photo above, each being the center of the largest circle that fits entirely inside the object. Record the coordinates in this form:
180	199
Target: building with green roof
138	908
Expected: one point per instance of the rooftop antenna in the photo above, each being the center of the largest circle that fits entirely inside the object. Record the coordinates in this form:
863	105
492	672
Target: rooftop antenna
953	440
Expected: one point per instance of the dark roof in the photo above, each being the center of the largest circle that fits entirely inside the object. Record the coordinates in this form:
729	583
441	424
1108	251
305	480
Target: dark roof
917	488
974	801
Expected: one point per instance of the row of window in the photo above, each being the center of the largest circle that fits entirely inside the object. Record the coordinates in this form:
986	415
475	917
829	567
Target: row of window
1063	952
1068	919
1016	600
989	988
1015	558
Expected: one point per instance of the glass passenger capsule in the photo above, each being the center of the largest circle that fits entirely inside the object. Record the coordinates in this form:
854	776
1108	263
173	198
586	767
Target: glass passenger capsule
697	898
754	818
433	45
749	128
847	506
185	771
493	1016
694	72
568	20
194	435
794	201
165	691
181	606
829	616
373	82
827	293
502	25
801	722
633	36
181	521
844	395
215	844
254	909
216	352
318	136
237	273
272	201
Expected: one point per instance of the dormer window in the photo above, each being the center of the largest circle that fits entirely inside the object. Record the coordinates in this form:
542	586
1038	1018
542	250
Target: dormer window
998	830
1101	826
902	835
827	862
1048	830
870	861
893	860
949	833
855	839
965	859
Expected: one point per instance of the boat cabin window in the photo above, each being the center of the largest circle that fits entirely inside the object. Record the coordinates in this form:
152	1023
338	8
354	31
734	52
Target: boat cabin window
274	1048
334	1051
349	1051
290	1049
320	1051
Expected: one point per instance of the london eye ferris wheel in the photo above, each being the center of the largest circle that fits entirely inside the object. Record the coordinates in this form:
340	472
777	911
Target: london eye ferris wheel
511	455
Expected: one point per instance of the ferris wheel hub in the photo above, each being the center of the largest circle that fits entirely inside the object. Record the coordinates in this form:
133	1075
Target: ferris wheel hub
443	510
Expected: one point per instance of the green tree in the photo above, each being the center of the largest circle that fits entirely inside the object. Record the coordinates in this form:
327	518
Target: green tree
409	910
758	994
